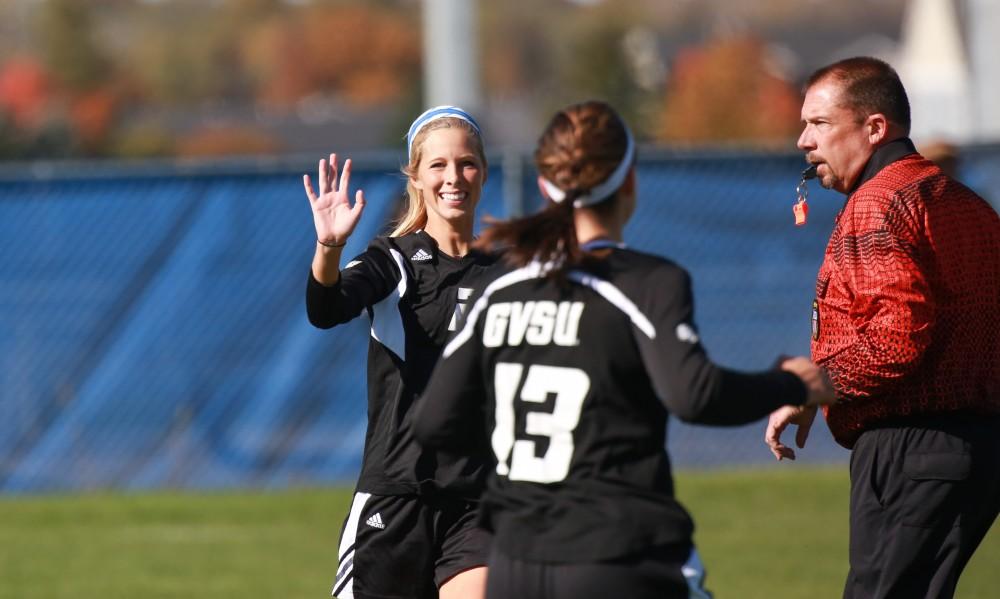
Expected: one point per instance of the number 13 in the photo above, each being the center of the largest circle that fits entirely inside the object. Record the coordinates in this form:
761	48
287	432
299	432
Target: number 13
570	386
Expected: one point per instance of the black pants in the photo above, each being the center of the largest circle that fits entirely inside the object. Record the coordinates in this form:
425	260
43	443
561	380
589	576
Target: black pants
923	496
670	572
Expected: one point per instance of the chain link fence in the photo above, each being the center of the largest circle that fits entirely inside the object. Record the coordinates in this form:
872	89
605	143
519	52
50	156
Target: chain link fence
153	330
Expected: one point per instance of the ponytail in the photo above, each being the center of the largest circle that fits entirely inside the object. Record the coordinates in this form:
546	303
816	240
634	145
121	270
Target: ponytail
548	236
583	158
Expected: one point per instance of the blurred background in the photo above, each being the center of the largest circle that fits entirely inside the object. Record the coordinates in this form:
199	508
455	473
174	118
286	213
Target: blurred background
155	240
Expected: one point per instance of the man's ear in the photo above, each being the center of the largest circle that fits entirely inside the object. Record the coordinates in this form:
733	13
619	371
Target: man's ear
878	128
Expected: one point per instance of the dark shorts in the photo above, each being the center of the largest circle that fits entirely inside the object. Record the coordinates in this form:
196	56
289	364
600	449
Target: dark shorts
406	546
668	572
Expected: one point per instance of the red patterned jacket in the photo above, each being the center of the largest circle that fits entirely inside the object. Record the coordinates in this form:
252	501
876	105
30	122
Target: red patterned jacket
907	314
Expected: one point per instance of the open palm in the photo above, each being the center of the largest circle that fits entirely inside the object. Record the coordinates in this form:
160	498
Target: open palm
333	214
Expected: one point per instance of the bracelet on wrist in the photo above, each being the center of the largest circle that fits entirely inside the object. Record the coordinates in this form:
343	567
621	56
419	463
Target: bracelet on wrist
331	245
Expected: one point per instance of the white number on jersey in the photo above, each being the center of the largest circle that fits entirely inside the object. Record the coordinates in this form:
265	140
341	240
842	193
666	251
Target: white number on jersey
570	387
464	293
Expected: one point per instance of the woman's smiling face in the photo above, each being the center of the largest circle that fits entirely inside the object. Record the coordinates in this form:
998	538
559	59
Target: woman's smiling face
450	176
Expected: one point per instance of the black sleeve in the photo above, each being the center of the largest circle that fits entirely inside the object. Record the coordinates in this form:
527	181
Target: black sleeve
366	280
450	411
686	380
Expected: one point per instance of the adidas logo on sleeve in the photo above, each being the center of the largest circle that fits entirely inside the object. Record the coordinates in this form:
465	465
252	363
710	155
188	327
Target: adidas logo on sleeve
421	256
375	521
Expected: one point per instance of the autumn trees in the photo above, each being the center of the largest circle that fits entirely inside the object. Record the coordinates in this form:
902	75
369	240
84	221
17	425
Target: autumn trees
121	77
90	69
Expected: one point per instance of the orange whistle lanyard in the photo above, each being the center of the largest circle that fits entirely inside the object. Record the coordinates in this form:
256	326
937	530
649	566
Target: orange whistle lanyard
801	208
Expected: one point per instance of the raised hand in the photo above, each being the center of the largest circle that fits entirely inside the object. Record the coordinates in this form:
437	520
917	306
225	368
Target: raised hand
333	214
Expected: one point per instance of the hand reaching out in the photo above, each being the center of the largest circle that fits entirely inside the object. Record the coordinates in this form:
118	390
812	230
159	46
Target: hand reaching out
821	392
800	416
333	214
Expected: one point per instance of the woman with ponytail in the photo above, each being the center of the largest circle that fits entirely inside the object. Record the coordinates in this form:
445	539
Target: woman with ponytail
411	530
573	359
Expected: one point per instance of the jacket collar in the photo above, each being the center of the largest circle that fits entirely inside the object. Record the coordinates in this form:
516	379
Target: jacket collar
883	157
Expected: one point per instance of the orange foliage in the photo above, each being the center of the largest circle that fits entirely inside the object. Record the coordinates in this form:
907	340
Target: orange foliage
25	91
726	91
226	141
365	54
93	114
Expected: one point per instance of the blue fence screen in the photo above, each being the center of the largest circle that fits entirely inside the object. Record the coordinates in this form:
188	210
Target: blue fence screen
153	330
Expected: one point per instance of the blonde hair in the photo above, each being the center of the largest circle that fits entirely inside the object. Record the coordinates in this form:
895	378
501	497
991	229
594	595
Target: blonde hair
415	217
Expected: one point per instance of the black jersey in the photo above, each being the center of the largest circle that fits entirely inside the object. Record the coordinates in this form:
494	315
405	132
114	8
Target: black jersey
578	379
413	294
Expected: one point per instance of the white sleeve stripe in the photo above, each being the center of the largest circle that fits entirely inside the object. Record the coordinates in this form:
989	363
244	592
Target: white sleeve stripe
617	299
387	322
401	287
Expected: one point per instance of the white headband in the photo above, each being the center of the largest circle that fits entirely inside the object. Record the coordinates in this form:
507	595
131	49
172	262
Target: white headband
433	114
600	192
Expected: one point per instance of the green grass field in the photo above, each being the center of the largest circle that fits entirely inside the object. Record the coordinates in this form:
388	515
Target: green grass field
762	534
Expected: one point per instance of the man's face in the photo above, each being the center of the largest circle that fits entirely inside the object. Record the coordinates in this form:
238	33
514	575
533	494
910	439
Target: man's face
834	138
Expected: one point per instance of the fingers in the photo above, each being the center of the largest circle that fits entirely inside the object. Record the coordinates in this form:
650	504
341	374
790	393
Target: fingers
332	180
772	436
321	175
805	421
327	173
345	177
781	452
359	203
802	435
309	190
327	177
776	424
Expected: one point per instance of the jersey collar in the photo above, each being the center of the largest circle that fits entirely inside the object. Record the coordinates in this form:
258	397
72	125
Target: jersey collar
598	244
883	157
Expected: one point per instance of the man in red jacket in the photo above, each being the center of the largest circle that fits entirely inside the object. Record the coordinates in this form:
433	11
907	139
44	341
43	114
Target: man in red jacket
906	324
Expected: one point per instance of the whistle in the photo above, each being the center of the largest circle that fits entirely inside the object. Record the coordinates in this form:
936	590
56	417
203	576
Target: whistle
801	209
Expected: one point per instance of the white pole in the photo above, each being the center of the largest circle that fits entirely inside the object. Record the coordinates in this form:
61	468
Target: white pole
451	54
984	48
936	72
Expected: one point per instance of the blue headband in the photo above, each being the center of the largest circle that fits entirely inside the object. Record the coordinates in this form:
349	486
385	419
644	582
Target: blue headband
433	114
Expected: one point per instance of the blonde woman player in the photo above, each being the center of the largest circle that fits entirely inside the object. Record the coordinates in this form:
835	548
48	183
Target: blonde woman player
411	530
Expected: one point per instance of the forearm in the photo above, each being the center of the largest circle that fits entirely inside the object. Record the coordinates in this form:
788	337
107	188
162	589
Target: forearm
328	306
334	297
326	264
723	397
